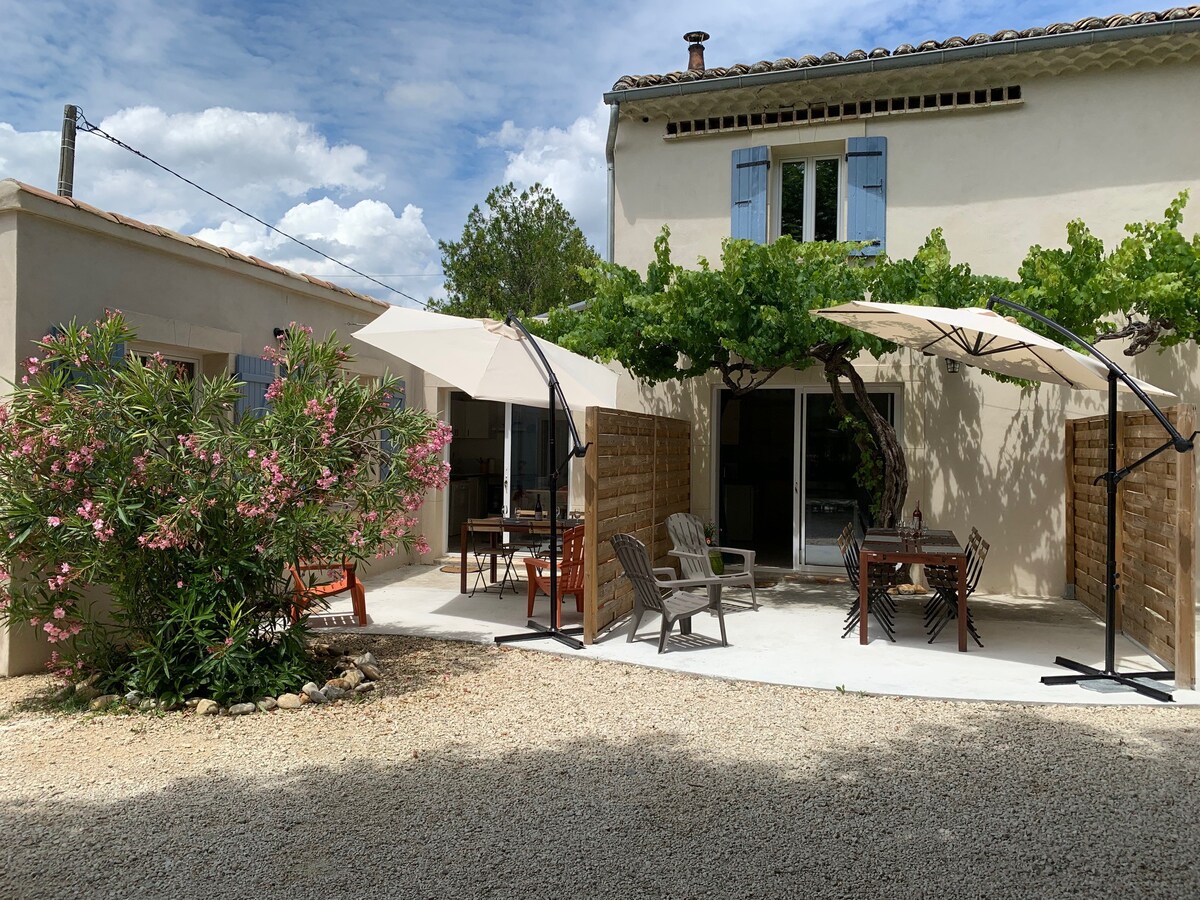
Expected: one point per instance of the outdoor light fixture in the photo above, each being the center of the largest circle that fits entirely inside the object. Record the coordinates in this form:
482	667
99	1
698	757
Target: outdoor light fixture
279	333
951	366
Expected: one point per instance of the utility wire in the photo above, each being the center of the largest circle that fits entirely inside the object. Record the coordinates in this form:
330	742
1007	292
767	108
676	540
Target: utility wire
84	125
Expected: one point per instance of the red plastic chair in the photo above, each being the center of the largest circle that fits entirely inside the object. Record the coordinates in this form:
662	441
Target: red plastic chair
570	571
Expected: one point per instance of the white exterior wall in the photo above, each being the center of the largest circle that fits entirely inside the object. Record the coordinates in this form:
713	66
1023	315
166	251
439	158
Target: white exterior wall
1109	147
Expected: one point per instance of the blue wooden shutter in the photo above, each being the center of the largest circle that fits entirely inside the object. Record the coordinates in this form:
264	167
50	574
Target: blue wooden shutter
385	439
748	206
256	375
866	193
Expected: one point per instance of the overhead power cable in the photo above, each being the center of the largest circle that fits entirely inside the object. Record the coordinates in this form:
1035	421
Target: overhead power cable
84	125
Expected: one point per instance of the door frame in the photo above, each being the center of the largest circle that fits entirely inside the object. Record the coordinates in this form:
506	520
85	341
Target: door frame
799	457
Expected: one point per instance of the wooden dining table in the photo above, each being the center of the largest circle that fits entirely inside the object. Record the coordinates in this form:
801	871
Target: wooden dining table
495	526
887	546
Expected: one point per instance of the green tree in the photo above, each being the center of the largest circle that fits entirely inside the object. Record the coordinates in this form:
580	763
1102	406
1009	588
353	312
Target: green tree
522	253
745	320
1147	289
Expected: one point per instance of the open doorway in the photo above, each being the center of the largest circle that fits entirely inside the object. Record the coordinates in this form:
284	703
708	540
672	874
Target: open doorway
476	461
499	461
788	475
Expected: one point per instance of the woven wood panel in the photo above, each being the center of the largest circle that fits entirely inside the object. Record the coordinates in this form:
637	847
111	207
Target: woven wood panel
638	473
1155	532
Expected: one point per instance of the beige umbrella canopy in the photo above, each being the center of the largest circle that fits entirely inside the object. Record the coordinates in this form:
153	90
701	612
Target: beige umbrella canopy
979	337
488	359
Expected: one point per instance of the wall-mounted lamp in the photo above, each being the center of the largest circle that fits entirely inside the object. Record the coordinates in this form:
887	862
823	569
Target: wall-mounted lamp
279	333
951	366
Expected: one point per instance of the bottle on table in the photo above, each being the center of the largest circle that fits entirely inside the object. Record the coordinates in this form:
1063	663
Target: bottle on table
537	510
916	517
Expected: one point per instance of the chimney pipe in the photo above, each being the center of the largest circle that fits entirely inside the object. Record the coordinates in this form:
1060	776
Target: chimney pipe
696	50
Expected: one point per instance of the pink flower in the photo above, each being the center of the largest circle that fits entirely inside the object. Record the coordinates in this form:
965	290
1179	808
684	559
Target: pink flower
53	521
179	583
59	612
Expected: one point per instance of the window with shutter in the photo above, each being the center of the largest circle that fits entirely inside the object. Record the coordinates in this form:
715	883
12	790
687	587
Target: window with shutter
385	439
256	375
866	193
748	207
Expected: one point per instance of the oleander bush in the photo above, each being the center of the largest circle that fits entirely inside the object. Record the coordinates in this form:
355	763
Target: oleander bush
118	473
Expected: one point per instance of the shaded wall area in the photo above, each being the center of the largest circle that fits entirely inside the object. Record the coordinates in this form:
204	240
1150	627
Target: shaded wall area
1155	532
638	472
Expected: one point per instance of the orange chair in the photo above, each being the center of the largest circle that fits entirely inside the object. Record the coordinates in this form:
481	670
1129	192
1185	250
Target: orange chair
348	581
570	571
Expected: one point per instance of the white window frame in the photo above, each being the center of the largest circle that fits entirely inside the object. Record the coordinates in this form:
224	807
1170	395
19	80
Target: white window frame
810	193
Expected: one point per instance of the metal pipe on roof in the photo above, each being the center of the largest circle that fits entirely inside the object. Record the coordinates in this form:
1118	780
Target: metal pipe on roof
610	156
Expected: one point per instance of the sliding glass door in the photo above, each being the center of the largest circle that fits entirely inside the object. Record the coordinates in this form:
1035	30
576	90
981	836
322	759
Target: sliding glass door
789	475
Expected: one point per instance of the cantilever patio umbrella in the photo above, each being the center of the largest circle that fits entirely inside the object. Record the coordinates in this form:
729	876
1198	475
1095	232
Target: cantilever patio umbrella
984	338
493	360
979	337
489	360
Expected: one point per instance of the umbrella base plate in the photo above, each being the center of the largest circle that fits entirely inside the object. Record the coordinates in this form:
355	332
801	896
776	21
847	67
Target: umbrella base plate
1128	679
540	631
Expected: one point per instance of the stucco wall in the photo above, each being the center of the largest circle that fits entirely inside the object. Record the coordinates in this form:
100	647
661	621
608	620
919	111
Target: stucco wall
58	263
1109	147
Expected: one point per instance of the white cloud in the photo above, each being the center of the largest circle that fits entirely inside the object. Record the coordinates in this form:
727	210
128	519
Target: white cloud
252	159
259	161
569	161
369	236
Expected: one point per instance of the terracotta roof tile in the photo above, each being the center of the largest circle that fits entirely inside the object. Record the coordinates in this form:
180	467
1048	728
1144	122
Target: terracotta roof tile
195	242
1090	23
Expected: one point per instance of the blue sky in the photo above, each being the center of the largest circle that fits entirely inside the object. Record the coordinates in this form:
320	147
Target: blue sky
371	128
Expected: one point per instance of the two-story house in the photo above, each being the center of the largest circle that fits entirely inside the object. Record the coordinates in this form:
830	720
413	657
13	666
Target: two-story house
998	139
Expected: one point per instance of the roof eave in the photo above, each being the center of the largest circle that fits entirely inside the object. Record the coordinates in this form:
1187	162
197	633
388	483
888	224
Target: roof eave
908	60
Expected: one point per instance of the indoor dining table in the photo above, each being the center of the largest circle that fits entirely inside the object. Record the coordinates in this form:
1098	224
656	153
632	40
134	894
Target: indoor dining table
888	546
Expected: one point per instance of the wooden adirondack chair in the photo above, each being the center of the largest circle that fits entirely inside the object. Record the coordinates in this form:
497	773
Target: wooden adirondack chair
304	594
570	571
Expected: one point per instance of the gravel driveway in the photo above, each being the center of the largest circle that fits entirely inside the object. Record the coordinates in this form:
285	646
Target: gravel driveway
477	772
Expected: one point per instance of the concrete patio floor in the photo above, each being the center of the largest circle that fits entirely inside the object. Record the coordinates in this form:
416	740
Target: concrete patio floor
793	638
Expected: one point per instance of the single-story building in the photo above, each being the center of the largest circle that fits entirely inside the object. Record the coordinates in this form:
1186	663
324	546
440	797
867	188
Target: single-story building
208	309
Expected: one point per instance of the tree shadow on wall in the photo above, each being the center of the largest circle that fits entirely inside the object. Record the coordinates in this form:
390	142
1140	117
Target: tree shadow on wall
1002	476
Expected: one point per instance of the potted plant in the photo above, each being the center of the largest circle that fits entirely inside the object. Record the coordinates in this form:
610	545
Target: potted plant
714	556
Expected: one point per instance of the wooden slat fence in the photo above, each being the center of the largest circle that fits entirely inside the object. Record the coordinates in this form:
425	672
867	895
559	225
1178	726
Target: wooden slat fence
1156	604
638	473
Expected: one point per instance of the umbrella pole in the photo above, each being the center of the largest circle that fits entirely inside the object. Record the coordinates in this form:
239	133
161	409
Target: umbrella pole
1112	479
539	631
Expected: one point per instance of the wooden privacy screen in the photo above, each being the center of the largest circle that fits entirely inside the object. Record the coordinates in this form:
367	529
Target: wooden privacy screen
1156	603
638	473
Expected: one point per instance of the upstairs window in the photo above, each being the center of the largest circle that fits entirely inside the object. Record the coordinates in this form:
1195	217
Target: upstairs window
838	195
810	198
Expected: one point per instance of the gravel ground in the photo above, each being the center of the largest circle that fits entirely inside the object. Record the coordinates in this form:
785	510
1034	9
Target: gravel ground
477	772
